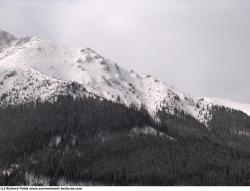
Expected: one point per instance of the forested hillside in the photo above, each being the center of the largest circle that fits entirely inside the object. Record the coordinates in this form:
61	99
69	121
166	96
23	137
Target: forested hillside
96	141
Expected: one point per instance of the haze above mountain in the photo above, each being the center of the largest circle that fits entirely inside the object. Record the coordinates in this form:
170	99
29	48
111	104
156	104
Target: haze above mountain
200	46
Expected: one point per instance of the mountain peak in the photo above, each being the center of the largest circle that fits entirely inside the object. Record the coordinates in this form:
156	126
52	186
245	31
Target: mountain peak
38	62
6	39
4	33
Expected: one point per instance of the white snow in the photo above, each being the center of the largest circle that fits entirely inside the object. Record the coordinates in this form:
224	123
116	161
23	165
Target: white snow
43	70
147	130
9	171
55	141
35	180
244	133
40	180
64	182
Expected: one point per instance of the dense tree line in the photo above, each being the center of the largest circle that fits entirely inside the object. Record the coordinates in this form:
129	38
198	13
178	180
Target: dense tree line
231	126
182	125
90	140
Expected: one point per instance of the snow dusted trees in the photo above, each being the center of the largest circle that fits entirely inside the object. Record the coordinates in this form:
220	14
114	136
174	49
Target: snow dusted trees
90	140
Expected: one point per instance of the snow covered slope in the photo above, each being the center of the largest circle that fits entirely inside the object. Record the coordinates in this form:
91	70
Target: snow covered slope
230	104
32	68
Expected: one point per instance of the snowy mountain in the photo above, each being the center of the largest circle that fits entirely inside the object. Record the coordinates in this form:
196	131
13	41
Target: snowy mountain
33	68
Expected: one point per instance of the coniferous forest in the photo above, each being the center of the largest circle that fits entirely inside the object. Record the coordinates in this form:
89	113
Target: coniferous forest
85	139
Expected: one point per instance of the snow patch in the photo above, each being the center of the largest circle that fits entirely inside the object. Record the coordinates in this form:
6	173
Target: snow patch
40	180
64	182
35	180
147	130
244	133
55	141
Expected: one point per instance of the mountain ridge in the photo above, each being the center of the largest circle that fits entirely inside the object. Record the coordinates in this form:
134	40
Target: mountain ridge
32	68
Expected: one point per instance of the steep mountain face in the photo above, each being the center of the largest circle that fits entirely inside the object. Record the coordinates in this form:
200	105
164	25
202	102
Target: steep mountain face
64	121
32	68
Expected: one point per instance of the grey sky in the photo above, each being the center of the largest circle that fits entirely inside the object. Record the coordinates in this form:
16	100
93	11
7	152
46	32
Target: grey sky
199	46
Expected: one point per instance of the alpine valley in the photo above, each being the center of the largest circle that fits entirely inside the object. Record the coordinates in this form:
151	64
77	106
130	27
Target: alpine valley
69	116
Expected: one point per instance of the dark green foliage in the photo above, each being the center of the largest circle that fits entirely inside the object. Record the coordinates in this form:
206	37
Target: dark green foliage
89	140
182	125
28	128
231	126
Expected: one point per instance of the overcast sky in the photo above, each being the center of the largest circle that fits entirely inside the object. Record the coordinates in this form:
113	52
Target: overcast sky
199	46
